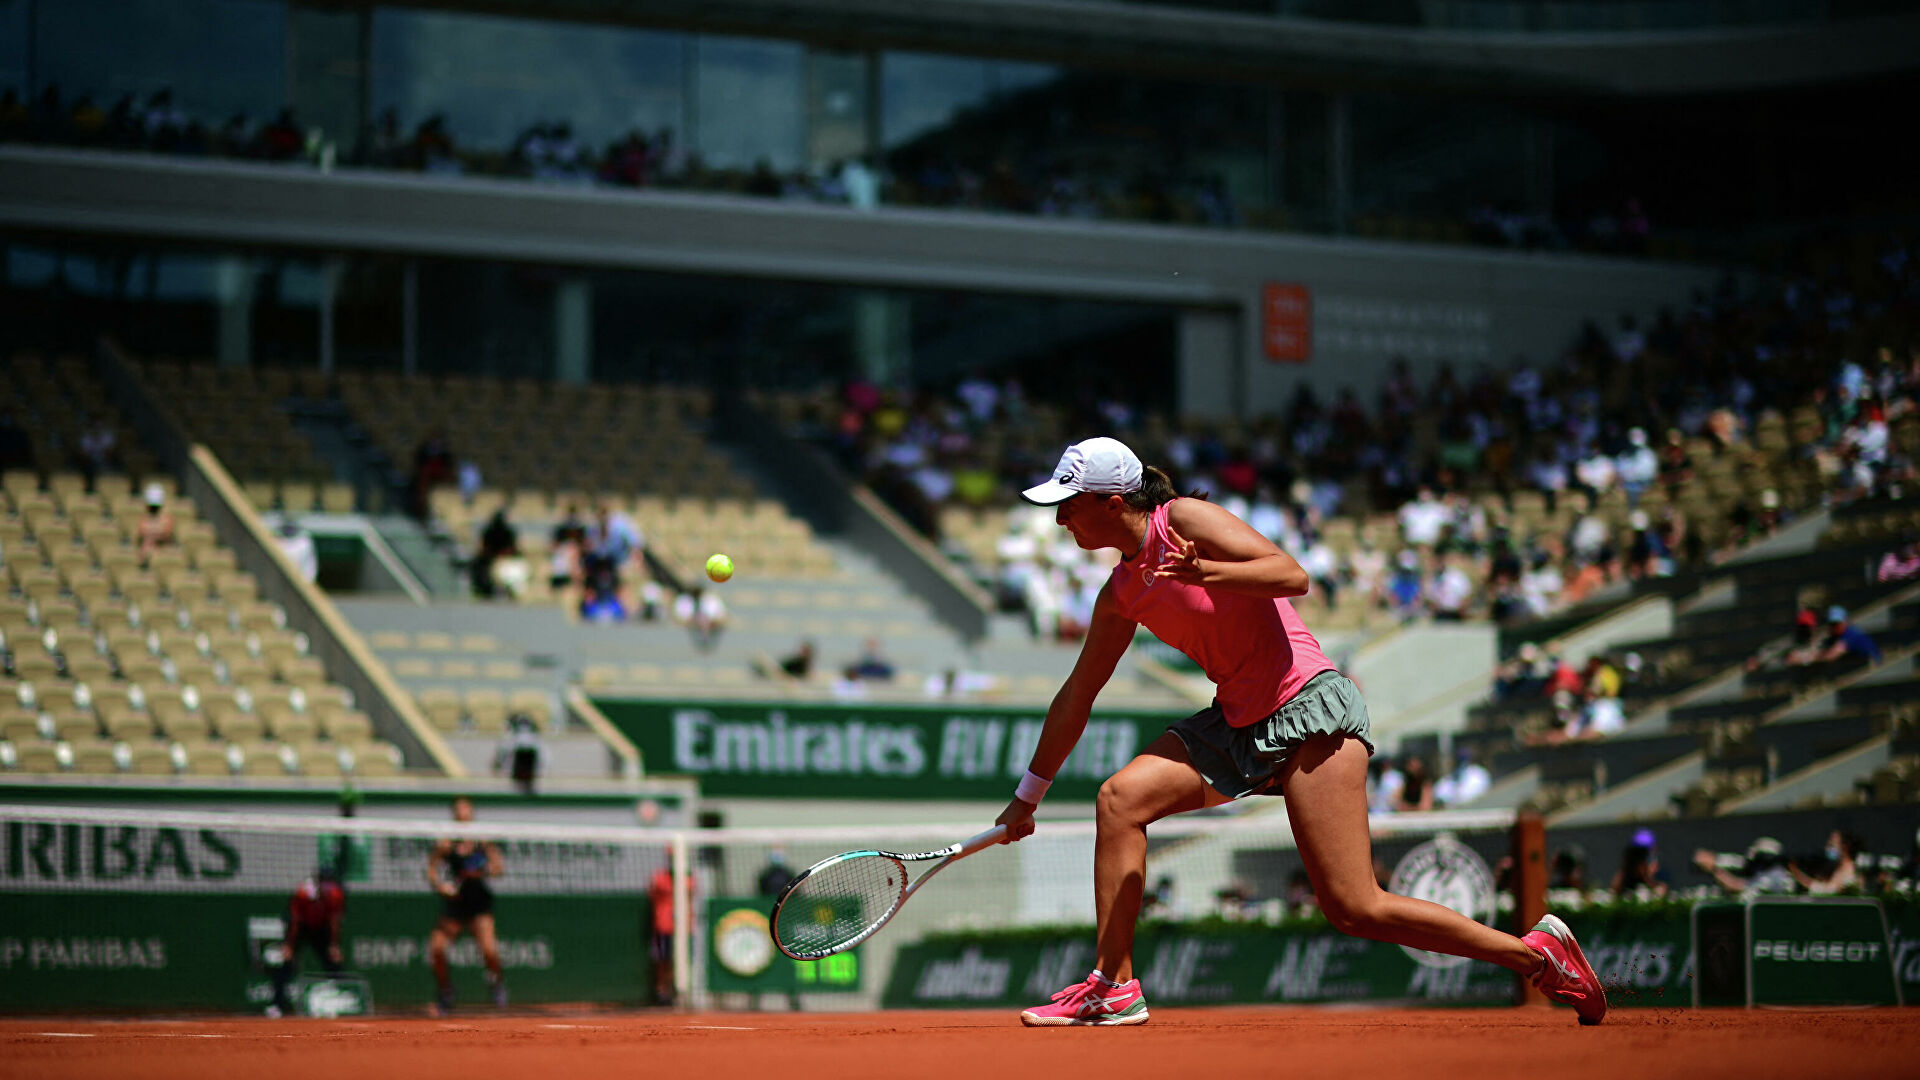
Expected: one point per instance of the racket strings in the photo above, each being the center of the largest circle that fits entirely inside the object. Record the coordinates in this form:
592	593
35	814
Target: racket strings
840	903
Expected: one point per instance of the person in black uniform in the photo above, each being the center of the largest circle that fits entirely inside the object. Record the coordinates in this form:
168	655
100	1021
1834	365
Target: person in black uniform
467	906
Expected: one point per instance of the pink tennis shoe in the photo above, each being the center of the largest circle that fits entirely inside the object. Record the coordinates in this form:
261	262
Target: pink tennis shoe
1094	1003
1565	976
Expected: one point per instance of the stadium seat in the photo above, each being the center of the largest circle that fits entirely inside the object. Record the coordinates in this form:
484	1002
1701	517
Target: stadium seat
214	561
537	704
297	496
178	721
375	760
442	707
142	668
71	726
337	498
289	726
194	671
320	760
20	726
488	711
304	671
151	759
34	664
121	722
263	759
236	725
207	759
95	756
37	757
350	727
244	670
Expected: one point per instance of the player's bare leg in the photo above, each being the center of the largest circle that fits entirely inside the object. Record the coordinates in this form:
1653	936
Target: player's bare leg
444	932
1155	784
1325	787
483	932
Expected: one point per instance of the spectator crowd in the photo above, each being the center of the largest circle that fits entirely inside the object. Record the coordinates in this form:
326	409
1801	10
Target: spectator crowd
1507	494
1021	171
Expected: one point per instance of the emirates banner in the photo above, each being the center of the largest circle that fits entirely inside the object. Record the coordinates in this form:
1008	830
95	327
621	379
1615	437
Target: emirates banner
869	751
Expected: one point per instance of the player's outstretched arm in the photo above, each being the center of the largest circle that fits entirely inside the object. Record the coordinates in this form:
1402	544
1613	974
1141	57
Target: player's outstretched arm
1216	550
496	864
1107	638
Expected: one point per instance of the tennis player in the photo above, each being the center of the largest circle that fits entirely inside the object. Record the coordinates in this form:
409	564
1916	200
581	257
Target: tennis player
466	906
1284	722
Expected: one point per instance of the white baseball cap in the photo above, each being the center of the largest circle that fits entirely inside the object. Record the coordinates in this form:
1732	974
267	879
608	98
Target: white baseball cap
1100	465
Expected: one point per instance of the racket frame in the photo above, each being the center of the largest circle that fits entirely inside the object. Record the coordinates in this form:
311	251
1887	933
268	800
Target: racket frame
945	855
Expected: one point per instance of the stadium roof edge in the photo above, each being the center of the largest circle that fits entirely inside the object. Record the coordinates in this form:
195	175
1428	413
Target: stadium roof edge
1291	50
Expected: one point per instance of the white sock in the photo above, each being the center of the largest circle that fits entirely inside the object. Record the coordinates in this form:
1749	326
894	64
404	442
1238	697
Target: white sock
1109	983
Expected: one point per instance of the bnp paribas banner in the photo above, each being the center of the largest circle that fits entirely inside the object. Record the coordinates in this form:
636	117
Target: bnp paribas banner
170	951
862	751
41	856
162	918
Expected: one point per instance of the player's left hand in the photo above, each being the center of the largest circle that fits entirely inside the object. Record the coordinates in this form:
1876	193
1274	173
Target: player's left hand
334	954
1181	562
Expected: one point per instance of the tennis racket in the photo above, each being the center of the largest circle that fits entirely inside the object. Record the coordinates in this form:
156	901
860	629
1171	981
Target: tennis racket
838	903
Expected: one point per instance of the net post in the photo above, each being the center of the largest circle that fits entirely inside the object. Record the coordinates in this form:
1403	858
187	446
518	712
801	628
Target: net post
1529	880
682	923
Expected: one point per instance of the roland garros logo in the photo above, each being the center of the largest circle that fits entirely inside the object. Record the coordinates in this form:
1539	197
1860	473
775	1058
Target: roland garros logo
1449	873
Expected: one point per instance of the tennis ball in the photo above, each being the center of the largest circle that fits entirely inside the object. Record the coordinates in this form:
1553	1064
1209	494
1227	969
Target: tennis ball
719	567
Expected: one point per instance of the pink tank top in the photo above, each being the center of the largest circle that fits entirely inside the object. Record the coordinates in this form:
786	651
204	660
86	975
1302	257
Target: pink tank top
1255	649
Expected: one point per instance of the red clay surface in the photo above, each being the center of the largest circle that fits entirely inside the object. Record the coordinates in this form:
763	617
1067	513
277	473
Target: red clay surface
1206	1044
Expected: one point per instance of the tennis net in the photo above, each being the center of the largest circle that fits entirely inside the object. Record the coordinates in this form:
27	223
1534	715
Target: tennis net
141	910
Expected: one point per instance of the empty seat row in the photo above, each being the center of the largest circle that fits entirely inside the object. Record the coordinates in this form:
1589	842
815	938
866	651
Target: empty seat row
484	712
199	758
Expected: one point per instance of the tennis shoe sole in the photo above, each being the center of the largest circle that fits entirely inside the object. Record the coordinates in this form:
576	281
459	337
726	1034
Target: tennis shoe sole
1119	1019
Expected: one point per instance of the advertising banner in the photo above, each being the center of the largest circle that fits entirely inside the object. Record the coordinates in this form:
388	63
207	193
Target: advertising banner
1641	954
39	856
1797	950
845	751
1215	965
741	956
163	951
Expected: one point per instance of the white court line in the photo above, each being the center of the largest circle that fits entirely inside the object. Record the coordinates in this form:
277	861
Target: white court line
718	1027
65	1034
575	1027
181	1035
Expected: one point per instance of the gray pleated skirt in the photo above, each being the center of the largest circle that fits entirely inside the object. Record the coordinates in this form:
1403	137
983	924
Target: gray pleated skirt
1240	761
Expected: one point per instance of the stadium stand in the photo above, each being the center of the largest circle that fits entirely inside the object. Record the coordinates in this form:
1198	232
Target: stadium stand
121	661
238	414
1717	687
55	405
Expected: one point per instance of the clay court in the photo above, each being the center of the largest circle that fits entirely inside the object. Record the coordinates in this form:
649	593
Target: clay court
1200	1043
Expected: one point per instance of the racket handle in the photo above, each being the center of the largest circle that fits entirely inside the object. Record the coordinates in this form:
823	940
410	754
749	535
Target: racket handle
984	840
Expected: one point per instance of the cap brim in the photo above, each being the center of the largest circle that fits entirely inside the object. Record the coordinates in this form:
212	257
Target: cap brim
1051	493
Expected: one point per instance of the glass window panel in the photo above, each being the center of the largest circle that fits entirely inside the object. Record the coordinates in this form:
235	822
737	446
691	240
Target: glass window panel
514	338
920	93
219	57
1013	76
327	73
1431	157
30	267
184	277
751	101
496	77
836	108
13	46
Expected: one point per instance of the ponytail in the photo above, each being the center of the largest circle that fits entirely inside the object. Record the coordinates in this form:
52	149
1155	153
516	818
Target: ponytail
1156	489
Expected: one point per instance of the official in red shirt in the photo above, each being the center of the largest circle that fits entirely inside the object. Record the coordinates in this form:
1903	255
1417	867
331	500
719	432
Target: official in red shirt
314	916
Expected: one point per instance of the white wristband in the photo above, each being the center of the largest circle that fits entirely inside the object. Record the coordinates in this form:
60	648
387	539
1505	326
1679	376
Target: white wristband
1032	788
